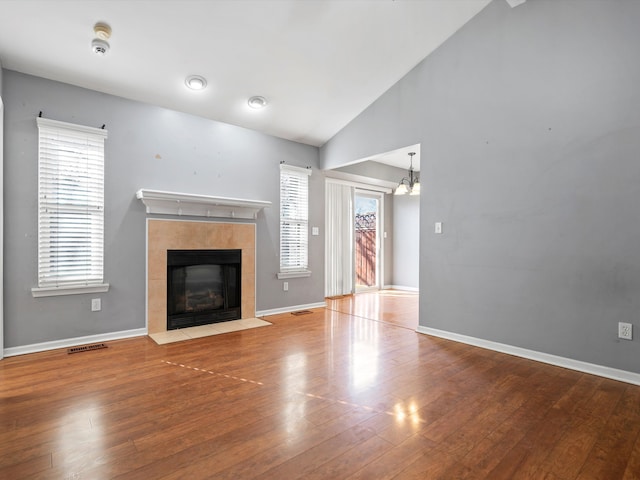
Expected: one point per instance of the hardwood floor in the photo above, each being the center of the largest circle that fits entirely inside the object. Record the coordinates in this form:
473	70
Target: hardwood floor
347	392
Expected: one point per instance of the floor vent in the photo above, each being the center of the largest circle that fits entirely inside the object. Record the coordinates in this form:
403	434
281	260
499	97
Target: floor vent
301	312
86	348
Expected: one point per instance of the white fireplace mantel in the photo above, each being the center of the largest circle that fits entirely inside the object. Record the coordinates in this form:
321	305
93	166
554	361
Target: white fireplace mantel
172	203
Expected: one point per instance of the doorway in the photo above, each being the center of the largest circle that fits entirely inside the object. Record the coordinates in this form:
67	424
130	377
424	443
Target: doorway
368	240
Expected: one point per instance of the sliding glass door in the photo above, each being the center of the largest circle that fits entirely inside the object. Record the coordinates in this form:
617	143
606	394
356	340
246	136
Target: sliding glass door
367	240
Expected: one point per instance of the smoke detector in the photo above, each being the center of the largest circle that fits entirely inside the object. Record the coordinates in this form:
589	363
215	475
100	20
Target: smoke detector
99	47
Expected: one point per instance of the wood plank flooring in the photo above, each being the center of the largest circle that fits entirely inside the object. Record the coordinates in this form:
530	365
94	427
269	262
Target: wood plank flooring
347	392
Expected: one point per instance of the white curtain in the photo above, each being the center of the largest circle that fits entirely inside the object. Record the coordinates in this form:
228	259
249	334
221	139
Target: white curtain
339	239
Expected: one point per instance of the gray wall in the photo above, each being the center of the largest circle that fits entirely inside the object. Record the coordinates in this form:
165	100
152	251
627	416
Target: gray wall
529	128
389	244
406	241
148	147
1	214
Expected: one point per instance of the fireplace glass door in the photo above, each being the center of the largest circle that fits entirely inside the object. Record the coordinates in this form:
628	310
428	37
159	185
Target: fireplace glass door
203	287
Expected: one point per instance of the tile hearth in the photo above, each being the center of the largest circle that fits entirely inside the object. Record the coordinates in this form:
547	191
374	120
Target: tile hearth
190	333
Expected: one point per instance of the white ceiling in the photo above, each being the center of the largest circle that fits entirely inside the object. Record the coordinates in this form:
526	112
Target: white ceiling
398	158
318	62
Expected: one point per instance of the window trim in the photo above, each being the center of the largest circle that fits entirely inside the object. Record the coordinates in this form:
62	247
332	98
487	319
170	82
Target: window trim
90	284
38	292
286	273
293	274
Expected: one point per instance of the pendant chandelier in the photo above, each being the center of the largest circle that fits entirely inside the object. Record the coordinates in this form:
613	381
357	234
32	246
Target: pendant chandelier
411	184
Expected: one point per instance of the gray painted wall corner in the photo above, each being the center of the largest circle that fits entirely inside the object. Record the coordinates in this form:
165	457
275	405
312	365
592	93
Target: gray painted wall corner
389	244
406	228
148	147
529	139
1	217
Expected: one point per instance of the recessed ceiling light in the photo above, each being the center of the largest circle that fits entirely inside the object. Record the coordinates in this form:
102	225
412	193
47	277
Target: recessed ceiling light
257	102
196	82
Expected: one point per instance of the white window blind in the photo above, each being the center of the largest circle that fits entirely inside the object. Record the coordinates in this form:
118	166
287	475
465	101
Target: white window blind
70	205
294	218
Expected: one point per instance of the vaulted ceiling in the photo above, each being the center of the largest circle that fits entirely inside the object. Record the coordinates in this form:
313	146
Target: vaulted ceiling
318	63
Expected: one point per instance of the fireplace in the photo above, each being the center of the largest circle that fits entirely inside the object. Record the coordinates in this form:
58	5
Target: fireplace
166	235
203	287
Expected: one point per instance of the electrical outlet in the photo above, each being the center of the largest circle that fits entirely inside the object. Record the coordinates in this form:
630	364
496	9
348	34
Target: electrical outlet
96	305
285	286
625	330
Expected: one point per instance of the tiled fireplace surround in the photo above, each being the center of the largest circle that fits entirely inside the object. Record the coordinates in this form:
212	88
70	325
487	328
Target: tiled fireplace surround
163	235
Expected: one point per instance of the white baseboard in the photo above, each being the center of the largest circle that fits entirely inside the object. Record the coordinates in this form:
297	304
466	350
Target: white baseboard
72	342
293	308
585	367
401	287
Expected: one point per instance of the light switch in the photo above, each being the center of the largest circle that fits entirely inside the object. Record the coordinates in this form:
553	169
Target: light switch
315	231
438	228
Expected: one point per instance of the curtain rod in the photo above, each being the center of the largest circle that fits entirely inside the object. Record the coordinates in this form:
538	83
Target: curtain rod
102	127
282	162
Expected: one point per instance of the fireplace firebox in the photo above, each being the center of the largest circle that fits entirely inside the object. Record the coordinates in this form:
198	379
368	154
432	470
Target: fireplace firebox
203	287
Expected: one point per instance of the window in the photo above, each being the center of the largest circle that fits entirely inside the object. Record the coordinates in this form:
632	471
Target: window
294	221
70	209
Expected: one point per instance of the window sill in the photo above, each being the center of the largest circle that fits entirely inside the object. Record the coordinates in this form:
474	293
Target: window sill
73	290
285	275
